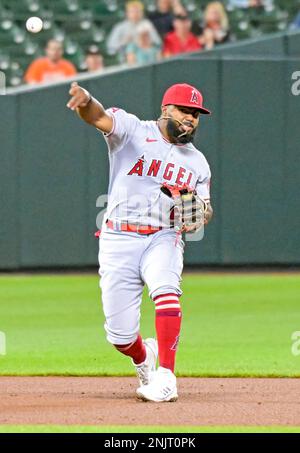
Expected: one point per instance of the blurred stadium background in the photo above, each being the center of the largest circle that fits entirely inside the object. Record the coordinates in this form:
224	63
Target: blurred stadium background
79	23
54	167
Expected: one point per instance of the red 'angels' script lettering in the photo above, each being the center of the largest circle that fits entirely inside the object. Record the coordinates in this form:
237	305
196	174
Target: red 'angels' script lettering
137	168
168	173
189	178
180	175
154	167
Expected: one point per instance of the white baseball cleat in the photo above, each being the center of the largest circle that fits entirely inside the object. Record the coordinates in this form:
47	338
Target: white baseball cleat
145	370
161	389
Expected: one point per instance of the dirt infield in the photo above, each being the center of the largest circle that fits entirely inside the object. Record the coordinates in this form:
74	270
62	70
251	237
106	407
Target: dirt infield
111	401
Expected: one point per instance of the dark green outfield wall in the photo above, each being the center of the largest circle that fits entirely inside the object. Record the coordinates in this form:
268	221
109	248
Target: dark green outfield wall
53	166
9	184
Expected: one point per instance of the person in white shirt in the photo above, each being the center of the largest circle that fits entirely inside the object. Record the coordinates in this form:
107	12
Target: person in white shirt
249	3
138	244
126	31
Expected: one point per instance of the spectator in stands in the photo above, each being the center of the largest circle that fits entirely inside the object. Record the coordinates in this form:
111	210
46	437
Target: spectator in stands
162	18
215	29
181	40
125	32
93	59
248	3
51	68
295	25
142	50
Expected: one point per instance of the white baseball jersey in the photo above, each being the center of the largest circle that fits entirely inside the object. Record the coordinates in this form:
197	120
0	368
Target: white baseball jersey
141	160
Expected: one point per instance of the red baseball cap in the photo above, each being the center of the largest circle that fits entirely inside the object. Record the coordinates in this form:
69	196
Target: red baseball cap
186	96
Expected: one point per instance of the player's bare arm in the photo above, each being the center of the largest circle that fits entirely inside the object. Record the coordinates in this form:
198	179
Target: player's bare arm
89	109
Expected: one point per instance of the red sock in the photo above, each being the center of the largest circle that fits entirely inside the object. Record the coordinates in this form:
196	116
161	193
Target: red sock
135	350
167	322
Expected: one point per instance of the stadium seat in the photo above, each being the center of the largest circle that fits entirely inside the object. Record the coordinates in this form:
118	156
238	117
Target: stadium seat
4	61
64	7
150	6
269	20
15	77
6	14
194	6
73	52
111	60
81	21
292	7
24	53
105	9
50	31
22	9
88	35
245	31
236	15
10	33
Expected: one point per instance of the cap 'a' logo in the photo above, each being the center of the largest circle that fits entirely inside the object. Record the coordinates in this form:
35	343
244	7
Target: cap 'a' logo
195	97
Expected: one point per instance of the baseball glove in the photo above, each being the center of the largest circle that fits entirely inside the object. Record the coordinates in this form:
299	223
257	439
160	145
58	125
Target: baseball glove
188	212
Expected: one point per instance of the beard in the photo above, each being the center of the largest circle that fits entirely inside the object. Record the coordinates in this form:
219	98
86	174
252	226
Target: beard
178	135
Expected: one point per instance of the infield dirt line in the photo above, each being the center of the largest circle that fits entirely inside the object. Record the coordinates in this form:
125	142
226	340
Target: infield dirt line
111	401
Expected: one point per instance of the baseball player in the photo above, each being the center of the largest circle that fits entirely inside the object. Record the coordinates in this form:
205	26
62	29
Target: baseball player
153	164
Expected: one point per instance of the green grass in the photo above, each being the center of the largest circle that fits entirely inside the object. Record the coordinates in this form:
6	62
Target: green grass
233	325
146	429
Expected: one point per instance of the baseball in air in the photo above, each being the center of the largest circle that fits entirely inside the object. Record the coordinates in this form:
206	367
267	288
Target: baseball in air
34	24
